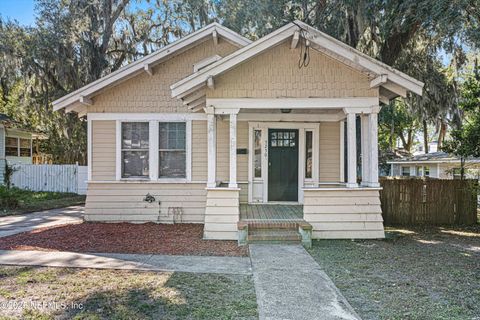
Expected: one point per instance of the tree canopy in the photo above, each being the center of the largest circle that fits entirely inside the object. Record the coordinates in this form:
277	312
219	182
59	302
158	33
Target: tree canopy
74	42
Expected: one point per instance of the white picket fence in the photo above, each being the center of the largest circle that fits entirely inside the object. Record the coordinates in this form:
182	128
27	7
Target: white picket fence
50	177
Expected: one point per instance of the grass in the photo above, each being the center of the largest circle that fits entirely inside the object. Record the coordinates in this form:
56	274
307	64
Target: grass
67	293
26	201
414	274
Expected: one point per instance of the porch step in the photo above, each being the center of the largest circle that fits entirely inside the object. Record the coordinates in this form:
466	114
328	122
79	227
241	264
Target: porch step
274	235
286	231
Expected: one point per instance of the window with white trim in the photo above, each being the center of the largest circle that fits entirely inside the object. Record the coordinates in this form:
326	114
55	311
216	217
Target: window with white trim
257	153
135	145
308	154
18	147
406	171
172	142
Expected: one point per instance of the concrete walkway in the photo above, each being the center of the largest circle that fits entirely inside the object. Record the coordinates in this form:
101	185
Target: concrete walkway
196	264
26	222
290	285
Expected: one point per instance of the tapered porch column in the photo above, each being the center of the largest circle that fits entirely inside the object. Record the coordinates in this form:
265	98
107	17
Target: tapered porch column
351	150
212	147
365	150
233	151
373	150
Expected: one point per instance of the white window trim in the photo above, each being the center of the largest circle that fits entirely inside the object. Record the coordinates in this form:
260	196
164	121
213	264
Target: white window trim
153	148
18	146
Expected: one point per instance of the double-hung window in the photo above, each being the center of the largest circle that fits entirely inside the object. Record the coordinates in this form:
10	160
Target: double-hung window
18	147
135	146
172	150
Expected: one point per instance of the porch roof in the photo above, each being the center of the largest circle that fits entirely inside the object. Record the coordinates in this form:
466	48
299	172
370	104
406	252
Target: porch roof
392	82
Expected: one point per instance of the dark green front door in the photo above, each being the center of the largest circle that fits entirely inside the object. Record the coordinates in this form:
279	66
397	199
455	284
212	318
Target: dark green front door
282	165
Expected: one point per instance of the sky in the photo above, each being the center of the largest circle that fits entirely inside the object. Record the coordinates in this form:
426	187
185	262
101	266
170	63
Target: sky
20	10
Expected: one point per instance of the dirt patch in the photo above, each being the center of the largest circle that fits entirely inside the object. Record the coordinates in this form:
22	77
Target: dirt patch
147	238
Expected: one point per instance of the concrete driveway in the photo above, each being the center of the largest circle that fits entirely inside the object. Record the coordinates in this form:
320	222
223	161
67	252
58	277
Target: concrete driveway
26	222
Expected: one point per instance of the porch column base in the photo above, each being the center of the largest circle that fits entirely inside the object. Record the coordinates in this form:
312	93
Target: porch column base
373	185
222	213
352	185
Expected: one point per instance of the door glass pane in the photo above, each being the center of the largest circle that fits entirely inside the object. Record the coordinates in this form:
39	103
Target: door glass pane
308	154
257	155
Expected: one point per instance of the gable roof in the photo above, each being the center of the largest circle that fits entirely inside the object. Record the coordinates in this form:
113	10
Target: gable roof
82	96
392	82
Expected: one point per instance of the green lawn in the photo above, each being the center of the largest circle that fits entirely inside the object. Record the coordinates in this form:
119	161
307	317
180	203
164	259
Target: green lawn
47	293
413	274
17	201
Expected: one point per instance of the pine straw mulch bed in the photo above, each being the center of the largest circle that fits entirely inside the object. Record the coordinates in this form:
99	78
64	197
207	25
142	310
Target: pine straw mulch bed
147	238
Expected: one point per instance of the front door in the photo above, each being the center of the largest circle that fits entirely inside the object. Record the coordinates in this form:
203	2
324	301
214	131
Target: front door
282	165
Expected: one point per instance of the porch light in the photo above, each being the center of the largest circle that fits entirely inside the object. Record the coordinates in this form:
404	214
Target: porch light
286	110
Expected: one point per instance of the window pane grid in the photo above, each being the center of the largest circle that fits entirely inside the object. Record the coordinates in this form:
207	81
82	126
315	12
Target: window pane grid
135	146
172	150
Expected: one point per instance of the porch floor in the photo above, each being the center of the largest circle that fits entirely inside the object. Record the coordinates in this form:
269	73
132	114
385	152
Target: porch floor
271	212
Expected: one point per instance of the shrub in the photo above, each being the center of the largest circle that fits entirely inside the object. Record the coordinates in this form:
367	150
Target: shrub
9	198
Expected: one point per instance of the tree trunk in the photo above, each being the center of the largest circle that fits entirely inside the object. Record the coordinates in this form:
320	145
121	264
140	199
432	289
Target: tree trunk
425	135
462	168
441	134
392	134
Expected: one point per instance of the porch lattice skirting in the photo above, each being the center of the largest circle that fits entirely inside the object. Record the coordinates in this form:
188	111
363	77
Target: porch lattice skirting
222	213
344	213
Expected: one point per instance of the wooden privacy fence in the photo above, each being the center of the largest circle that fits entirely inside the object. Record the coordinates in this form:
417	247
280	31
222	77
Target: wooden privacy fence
50	177
429	202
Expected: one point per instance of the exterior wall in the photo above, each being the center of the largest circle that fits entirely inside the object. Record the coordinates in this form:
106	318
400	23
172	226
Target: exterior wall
275	73
103	150
222	214
344	214
199	151
329	152
223	151
123	201
145	93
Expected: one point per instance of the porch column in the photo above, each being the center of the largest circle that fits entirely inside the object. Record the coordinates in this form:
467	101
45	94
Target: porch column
233	151
352	150
212	147
365	150
373	150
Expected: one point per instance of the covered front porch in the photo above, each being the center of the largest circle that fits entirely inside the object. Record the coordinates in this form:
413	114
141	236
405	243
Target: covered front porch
301	165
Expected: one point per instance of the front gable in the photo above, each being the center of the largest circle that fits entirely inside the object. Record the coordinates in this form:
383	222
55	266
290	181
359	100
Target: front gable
275	74
151	93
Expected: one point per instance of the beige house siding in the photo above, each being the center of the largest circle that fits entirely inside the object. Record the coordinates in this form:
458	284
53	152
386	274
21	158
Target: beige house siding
103	150
275	74
223	151
329	152
145	93
199	151
123	201
344	214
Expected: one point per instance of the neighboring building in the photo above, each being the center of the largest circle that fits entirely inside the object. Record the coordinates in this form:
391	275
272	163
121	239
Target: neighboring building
434	165
15	144
212	124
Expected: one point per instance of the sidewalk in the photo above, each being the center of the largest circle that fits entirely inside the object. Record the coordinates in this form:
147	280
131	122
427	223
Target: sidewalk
150	262
290	285
26	222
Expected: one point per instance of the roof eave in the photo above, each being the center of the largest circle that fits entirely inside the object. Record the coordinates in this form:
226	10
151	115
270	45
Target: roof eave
138	66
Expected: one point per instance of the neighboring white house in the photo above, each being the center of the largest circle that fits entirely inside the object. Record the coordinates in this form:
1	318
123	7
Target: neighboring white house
214	125
434	165
15	144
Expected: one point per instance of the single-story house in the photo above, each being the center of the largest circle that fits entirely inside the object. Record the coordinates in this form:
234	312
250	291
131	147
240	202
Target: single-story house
15	144
434	165
219	130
